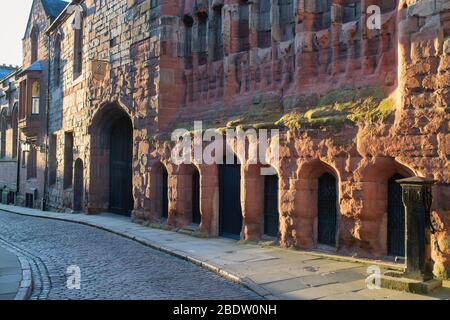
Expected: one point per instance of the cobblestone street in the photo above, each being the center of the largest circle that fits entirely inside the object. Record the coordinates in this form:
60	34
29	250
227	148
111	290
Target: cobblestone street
112	267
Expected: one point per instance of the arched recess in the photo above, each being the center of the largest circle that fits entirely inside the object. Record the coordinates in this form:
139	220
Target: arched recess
34	37
383	210
159	182
189	185
110	187
317	204
78	186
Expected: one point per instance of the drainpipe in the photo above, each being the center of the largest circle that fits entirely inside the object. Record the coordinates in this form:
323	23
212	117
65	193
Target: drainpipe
46	146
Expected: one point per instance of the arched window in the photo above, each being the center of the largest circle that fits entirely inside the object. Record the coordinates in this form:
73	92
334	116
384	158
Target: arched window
287	19
57	61
202	38
216	30
243	25
15	130
34	44
2	135
264	24
35	97
78	49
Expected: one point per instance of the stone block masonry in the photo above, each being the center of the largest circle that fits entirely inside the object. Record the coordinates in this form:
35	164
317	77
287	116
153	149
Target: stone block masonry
357	108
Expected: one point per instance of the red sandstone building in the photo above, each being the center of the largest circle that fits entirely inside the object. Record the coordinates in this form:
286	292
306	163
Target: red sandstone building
357	108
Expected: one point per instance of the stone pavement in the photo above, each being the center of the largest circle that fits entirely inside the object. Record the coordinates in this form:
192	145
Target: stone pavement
271	272
15	276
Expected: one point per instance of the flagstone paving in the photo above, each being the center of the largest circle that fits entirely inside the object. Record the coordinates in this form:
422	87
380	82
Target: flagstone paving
271	272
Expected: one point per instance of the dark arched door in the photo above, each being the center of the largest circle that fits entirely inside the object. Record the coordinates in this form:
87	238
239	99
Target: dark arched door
327	210
230	213
396	218
78	188
121	154
271	215
196	216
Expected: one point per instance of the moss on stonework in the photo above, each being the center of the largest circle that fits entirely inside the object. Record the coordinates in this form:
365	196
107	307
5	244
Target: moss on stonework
340	107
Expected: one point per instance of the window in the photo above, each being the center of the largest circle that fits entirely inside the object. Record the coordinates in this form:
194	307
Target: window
78	51
31	163
264	24
53	160
35	97
202	38
216	29
57	61
34	44
68	159
287	19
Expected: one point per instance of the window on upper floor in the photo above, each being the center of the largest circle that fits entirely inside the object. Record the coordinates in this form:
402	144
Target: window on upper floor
35	97
264	24
78	49
57	61
34	44
216	32
243	25
287	19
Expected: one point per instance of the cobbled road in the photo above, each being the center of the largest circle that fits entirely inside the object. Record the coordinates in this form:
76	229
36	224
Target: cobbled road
112	267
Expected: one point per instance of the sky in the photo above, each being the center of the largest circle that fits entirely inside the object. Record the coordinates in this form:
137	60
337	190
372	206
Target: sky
13	19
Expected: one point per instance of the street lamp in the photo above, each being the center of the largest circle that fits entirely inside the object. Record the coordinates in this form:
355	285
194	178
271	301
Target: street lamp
26	146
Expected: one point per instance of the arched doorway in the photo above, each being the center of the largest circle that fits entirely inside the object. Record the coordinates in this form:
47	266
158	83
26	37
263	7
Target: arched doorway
327	210
396	218
110	183
271	213
196	215
160	187
78	188
230	211
121	156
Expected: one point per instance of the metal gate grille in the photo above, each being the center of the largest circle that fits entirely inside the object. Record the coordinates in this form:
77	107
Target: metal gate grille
396	218
327	210
271	215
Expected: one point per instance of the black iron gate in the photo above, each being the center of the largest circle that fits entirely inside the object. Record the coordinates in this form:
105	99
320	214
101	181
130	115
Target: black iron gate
327	210
121	154
196	216
230	213
396	218
271	215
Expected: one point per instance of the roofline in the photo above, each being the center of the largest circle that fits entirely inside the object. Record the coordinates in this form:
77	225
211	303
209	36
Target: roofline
13	73
61	18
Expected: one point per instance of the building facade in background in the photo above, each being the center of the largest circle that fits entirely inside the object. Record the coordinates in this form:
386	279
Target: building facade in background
358	107
9	108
